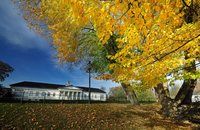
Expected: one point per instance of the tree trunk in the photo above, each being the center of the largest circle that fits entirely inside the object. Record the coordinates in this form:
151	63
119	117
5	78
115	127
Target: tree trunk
164	99
188	97
130	94
180	106
185	93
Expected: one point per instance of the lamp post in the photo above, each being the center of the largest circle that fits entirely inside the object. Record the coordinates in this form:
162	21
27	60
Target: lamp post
89	71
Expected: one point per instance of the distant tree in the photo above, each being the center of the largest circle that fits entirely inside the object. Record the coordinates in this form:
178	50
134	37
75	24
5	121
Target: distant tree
146	95
5	69
117	92
120	93
142	95
5	92
1	90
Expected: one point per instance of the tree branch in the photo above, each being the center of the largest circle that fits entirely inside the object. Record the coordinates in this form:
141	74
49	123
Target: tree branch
191	8
90	29
129	6
164	55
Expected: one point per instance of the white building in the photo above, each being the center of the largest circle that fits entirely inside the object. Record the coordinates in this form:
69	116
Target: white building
195	98
35	91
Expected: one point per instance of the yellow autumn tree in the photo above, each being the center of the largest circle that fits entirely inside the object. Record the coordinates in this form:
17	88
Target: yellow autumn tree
157	40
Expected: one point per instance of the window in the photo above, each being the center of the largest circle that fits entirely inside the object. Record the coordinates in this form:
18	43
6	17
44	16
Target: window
48	94
54	94
85	96
70	95
31	93
95	96
61	93
43	93
66	93
79	95
75	95
18	89
37	93
102	96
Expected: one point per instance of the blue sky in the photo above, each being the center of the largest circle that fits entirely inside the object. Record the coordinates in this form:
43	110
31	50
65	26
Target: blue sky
31	56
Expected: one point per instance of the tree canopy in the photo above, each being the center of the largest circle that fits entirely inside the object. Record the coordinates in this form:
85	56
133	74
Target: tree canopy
5	69
155	38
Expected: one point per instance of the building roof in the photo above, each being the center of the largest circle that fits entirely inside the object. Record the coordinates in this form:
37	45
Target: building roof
36	85
91	89
52	86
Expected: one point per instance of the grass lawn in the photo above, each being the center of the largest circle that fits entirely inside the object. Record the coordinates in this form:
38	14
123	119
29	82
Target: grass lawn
85	116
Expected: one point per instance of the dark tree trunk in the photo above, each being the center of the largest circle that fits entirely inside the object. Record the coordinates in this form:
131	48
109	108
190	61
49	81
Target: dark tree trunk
112	49
185	93
162	94
184	96
169	107
188	97
164	99
130	94
181	105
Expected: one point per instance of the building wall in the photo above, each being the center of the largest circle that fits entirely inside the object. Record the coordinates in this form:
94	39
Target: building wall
95	96
71	94
195	98
34	94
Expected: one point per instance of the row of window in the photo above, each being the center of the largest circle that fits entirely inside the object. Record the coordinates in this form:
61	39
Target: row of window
66	94
43	93
62	95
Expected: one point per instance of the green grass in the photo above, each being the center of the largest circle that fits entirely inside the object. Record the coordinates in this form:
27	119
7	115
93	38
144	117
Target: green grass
85	116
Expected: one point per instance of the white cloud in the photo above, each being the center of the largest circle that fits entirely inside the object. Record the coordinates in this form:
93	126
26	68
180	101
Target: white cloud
14	29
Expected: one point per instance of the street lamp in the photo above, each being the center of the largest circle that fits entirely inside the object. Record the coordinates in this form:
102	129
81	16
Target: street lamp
89	71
